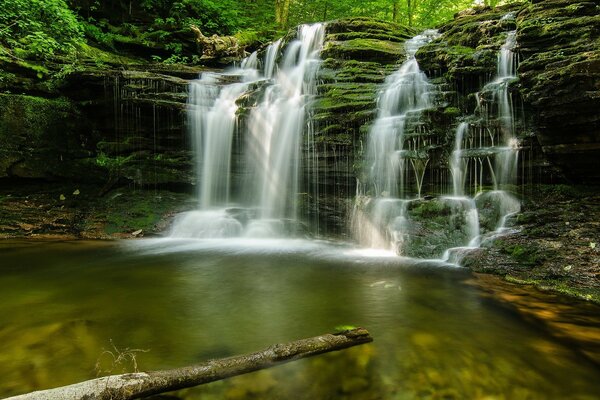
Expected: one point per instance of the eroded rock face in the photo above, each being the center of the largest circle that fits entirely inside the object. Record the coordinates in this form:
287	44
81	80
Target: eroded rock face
105	124
560	80
127	122
137	118
39	138
358	55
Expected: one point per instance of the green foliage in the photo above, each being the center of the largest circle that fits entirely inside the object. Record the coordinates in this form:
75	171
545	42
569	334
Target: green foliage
160	29
38	28
219	17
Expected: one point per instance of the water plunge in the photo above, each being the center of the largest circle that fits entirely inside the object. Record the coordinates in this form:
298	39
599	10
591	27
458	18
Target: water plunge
266	144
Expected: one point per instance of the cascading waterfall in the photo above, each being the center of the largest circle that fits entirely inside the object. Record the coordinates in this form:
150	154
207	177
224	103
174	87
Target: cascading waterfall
497	115
212	120
385	215
277	124
270	138
407	93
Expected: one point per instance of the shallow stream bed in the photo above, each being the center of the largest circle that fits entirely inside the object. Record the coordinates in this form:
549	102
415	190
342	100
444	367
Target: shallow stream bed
70	309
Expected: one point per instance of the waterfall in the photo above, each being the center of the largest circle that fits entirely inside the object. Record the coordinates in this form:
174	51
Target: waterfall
388	215
457	164
276	126
269	140
380	217
212	118
407	92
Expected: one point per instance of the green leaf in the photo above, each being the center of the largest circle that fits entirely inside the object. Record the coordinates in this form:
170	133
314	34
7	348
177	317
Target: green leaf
344	328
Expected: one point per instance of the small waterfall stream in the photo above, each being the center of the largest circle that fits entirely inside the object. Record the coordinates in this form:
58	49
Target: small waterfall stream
269	140
391	211
407	93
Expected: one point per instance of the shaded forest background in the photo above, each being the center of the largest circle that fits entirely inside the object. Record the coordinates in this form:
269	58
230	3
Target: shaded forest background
46	29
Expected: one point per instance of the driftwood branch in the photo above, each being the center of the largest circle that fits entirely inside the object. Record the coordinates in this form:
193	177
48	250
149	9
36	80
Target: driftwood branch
218	46
142	384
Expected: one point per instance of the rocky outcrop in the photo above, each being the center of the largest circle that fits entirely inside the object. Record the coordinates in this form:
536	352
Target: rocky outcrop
554	243
558	87
111	119
138	119
358	55
39	138
559	75
101	124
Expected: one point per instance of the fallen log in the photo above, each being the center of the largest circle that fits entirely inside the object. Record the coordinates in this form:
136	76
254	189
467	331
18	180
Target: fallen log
142	384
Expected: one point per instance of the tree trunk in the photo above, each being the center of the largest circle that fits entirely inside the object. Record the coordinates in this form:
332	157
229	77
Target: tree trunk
282	12
395	10
142	384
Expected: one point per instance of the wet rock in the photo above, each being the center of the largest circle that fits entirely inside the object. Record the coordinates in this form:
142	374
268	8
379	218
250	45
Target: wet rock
560	79
549	245
358	55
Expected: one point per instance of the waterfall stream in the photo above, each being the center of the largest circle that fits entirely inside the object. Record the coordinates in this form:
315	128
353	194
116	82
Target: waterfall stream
265	172
391	211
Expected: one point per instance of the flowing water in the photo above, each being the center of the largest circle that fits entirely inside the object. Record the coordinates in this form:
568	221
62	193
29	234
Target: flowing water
266	143
391	211
184	301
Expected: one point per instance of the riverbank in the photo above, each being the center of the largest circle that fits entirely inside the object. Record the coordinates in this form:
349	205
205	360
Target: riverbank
41	210
553	244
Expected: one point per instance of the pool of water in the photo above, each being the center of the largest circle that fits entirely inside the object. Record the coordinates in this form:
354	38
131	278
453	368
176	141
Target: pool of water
73	310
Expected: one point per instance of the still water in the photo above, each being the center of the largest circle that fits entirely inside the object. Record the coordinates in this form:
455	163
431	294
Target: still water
69	309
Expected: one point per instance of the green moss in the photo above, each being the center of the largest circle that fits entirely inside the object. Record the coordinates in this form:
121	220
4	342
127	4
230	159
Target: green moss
527	255
587	294
452	112
461	50
388	36
365	24
100	57
126	211
428	209
372	49
38	131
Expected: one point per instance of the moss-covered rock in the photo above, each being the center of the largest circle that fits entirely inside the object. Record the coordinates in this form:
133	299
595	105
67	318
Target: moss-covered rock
553	245
78	210
560	80
359	53
39	137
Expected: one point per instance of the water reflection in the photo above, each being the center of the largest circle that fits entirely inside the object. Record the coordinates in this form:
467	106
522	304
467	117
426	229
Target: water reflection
187	301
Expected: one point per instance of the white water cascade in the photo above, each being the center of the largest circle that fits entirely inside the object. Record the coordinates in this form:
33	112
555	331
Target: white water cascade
407	92
492	143
269	138
390	211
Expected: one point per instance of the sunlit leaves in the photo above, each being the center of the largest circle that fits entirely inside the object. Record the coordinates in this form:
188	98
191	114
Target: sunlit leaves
38	28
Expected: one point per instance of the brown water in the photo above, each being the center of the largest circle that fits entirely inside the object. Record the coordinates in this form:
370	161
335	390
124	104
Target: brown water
182	302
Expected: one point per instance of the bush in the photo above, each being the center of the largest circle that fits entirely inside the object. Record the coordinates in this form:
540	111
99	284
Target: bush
39	28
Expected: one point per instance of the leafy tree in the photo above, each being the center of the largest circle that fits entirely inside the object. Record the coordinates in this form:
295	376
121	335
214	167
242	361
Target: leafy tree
38	28
212	16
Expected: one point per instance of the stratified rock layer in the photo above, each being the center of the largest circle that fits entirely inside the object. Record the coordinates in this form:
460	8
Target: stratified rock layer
558	42
560	80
